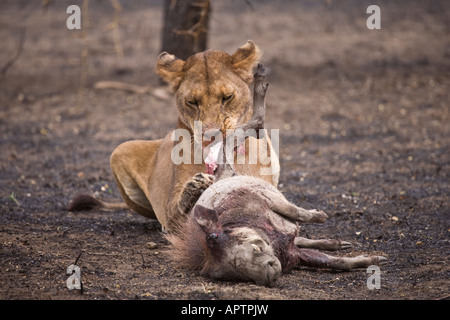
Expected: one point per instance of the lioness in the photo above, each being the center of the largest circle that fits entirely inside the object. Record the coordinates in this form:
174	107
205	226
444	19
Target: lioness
211	87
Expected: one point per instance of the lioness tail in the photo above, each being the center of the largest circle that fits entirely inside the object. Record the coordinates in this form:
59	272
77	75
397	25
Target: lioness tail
84	202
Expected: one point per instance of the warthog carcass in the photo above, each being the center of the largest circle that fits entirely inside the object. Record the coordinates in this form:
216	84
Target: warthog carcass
243	228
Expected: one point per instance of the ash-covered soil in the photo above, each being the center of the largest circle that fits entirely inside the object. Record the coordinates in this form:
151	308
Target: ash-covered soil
363	117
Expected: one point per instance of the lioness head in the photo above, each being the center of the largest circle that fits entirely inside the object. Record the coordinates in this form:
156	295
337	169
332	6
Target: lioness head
212	86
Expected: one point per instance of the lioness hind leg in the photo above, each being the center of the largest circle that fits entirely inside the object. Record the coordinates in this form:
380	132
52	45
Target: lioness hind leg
321	244
316	259
132	164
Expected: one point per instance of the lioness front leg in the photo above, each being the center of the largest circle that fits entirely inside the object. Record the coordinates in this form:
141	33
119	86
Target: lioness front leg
193	189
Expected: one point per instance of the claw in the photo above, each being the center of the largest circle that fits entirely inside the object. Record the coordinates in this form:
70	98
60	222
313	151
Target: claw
318	216
345	245
380	259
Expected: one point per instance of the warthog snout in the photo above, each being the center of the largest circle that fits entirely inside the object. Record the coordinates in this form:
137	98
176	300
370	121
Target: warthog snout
272	270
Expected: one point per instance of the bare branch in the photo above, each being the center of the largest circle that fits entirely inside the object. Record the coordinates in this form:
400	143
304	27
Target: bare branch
18	52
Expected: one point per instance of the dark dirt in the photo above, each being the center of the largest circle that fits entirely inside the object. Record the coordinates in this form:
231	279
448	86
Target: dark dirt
364	135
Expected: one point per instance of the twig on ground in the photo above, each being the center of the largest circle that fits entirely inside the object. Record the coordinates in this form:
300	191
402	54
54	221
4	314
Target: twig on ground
160	93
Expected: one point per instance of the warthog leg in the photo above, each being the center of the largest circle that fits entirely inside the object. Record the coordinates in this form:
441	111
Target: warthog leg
317	259
322	244
259	107
253	127
279	204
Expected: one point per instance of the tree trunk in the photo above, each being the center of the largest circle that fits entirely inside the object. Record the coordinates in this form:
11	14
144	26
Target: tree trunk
185	27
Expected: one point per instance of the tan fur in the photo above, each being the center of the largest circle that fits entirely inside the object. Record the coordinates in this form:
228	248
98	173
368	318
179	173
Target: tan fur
212	87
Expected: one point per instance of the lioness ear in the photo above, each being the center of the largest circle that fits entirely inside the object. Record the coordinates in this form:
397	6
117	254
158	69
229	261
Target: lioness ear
206	218
170	69
244	59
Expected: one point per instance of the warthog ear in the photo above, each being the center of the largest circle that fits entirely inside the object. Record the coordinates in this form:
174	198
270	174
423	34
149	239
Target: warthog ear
170	69
244	59
206	218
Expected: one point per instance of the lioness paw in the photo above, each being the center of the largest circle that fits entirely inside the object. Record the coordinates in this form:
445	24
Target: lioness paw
202	180
193	189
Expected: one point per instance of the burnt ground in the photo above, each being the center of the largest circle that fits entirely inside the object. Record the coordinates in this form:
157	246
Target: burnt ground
364	135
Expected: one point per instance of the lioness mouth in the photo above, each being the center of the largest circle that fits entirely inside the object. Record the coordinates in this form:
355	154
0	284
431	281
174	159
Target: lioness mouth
213	156
212	159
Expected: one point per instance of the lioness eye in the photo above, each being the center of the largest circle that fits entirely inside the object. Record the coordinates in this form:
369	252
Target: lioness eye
227	97
193	102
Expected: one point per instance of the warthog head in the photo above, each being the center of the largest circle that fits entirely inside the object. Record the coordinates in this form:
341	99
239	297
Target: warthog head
237	252
226	245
